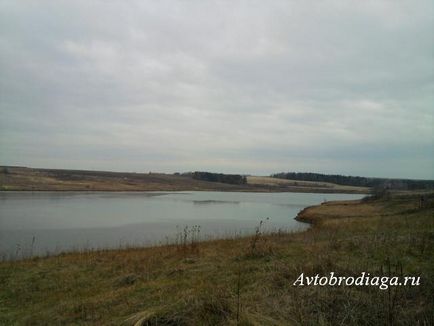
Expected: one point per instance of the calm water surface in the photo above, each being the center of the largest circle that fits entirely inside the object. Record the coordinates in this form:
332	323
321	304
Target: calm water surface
34	223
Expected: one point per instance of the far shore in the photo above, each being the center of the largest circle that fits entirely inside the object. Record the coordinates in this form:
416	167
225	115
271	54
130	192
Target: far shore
304	190
30	179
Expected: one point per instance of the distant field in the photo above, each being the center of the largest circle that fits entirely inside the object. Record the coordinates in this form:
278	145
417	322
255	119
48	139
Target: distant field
72	180
268	181
29	179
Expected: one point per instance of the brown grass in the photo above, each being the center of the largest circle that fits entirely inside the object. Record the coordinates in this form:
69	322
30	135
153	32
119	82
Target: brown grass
74	180
20	178
300	185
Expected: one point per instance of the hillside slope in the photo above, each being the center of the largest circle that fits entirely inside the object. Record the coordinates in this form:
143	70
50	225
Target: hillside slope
30	179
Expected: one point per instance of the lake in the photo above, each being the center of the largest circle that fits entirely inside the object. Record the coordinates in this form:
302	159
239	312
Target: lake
36	223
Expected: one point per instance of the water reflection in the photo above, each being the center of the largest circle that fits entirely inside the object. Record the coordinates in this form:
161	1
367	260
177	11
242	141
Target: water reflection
40	222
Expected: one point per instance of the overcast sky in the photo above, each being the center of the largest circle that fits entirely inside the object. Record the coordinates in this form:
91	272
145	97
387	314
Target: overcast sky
253	87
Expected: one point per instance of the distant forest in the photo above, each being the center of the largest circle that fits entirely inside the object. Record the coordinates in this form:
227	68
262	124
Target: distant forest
358	181
235	179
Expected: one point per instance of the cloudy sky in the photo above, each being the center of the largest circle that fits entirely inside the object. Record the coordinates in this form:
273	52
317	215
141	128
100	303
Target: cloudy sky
239	86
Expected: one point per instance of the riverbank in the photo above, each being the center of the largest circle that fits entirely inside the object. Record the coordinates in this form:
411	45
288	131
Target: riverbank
246	281
334	209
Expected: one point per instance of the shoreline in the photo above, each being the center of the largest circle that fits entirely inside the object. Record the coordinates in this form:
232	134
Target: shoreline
265	191
302	216
30	179
314	214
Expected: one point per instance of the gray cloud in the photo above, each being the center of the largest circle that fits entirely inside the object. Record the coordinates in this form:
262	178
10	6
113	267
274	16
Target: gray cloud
252	87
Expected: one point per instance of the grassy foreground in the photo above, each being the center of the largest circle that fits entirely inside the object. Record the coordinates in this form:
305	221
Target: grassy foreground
245	281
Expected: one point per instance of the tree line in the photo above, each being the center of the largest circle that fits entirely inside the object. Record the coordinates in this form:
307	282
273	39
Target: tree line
407	184
235	179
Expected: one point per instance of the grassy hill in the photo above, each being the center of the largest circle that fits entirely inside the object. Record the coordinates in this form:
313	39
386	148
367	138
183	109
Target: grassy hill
242	281
21	178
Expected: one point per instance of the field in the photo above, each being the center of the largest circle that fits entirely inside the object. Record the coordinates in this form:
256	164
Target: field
242	281
303	185
29	179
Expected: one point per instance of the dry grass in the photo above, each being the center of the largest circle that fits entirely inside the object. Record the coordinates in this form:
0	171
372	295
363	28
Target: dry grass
226	282
72	180
17	178
297	184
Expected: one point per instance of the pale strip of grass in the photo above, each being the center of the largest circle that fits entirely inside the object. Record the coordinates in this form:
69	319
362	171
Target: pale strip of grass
276	182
